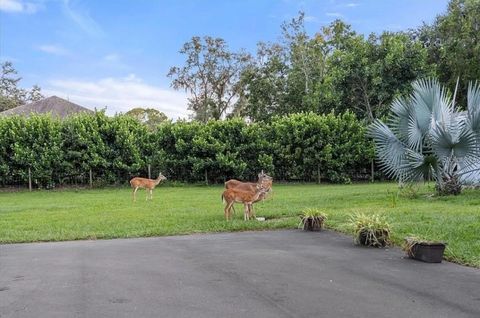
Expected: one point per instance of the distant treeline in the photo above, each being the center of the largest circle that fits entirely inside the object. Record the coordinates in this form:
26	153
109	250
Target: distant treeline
295	147
332	69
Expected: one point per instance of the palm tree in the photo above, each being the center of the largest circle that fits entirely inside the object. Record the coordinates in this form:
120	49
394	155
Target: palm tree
428	137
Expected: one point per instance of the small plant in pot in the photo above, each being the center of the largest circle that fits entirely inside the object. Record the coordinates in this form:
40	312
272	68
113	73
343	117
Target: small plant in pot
312	219
424	250
370	230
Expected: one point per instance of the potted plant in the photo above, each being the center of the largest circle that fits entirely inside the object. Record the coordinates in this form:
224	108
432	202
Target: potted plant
370	230
424	250
312	219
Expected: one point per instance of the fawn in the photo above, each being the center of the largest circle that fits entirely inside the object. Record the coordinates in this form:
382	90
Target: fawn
147	184
263	178
234	195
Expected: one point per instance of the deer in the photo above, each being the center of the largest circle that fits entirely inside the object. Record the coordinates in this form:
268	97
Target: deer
147	184
263	178
235	195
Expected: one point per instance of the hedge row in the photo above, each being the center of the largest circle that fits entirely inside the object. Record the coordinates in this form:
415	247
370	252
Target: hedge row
297	147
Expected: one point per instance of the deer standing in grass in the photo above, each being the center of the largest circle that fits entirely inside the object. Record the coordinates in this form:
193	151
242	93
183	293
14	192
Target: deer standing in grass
235	195
263	178
147	184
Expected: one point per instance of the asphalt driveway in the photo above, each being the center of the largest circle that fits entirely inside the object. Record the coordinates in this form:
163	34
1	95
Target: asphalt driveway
249	274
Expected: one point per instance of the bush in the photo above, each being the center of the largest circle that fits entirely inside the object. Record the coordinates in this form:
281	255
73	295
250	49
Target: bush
307	147
370	230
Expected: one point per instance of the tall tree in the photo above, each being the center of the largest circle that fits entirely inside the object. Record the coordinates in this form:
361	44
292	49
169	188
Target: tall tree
368	73
453	42
148	116
263	83
283	77
11	95
210	75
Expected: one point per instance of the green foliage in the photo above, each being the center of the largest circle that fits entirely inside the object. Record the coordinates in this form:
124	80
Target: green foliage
409	190
311	147
148	116
313	213
368	73
315	217
333	71
11	95
300	147
453	43
370	230
210	75
429	137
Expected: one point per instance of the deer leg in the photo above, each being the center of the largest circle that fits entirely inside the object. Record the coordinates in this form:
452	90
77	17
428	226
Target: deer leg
228	207
151	194
135	194
251	213
245	213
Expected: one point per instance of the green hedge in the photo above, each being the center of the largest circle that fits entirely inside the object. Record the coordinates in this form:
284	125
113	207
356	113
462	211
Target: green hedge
296	147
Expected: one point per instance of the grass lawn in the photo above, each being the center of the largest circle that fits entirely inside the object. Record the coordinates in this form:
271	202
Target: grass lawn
110	213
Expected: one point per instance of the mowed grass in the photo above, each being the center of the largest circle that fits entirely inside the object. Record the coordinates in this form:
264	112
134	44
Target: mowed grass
110	213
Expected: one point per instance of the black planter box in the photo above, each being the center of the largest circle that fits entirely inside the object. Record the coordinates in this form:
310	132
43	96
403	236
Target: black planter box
428	252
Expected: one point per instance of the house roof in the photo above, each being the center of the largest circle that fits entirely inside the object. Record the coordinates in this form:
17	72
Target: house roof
56	106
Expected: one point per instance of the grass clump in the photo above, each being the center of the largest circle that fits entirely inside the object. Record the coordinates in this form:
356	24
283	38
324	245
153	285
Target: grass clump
370	230
312	219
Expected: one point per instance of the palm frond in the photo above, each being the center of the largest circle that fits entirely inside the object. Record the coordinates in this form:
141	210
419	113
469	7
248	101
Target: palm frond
417	166
428	137
399	118
452	137
473	105
389	149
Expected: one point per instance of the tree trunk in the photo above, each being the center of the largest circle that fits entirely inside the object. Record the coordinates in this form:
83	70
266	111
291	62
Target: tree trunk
372	167
318	174
29	179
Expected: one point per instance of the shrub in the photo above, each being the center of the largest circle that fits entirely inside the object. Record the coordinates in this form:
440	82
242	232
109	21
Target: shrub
370	230
312	219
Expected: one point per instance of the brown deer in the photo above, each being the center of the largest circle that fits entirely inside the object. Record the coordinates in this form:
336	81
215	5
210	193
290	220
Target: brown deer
263	178
235	195
147	184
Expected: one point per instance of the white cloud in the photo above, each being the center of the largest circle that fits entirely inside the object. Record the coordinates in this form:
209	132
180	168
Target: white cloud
53	49
352	5
82	19
334	14
111	57
310	18
120	95
18	6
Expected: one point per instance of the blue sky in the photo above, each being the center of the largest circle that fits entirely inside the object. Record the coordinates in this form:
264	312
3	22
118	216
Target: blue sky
117	53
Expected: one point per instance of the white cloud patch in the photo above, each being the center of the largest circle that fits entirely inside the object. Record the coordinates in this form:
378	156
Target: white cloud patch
334	14
18	6
352	5
82	19
53	49
120	95
111	57
310	18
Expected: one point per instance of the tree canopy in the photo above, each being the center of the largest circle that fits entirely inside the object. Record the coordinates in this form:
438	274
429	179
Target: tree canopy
11	95
334	69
